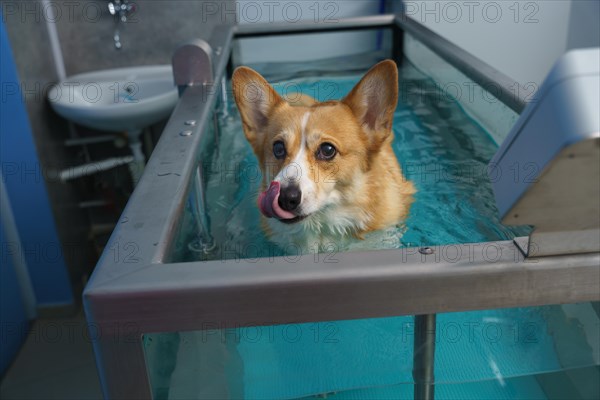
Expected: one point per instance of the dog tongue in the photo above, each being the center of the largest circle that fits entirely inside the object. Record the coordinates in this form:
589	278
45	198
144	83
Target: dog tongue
268	202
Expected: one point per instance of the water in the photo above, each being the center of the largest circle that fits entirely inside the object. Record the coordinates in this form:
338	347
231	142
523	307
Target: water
547	352
520	353
440	148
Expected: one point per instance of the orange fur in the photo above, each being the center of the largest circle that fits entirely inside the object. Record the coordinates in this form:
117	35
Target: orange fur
362	188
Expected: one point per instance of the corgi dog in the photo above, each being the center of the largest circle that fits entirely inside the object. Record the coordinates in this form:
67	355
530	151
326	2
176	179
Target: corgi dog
329	171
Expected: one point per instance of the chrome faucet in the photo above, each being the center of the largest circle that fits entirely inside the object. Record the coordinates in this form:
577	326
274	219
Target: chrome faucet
121	9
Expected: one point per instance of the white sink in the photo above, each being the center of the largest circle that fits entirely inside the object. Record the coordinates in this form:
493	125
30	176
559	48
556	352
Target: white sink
123	99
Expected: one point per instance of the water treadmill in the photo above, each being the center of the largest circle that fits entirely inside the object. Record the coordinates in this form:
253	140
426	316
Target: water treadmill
171	317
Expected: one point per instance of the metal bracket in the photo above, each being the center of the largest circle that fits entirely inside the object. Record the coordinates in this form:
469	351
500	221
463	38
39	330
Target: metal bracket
541	243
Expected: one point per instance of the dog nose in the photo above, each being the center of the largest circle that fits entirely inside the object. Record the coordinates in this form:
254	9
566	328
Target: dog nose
289	198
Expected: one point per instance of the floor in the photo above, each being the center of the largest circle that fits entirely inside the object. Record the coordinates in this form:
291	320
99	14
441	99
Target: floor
56	362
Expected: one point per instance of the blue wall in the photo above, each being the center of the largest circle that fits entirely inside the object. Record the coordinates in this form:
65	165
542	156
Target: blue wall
24	182
13	321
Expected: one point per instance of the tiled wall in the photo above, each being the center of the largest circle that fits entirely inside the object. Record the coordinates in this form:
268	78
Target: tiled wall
85	32
150	36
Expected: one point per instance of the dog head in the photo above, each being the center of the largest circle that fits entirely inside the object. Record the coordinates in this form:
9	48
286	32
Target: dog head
315	157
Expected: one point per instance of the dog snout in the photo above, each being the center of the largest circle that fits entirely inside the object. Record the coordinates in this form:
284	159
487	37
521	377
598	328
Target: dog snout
290	197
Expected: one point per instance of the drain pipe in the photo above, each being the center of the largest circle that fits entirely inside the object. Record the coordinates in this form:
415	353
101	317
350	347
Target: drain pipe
136	167
51	18
93	168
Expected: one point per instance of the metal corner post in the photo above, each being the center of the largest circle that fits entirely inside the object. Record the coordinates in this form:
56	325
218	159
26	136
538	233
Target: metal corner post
424	357
397	44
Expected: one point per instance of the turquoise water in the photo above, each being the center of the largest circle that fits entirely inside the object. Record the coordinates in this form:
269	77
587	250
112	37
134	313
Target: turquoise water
443	151
493	354
517	353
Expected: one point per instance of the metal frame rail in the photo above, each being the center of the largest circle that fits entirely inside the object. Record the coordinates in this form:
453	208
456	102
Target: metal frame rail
135	290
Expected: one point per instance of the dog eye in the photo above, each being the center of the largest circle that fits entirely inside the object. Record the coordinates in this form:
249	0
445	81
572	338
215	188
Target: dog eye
279	150
326	151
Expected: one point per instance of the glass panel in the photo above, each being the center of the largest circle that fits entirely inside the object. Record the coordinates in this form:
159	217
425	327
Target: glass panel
478	102
299	360
495	344
283	361
305	48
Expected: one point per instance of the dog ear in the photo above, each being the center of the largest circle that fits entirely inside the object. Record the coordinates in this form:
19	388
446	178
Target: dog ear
373	100
256	100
